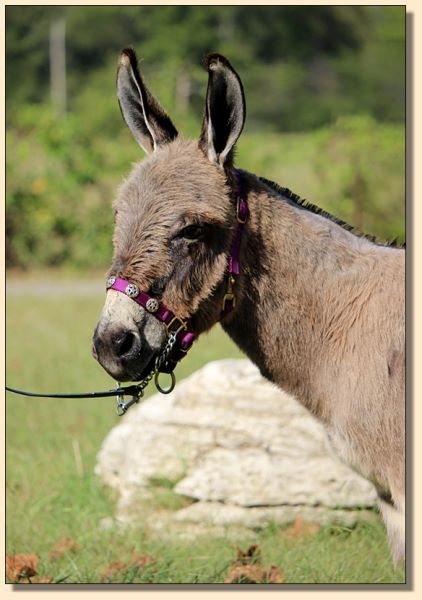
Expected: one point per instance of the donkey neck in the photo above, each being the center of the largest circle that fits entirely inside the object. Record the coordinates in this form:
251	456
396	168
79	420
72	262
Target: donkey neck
292	261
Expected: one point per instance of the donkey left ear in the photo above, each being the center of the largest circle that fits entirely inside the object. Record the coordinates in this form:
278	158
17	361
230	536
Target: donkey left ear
224	111
149	123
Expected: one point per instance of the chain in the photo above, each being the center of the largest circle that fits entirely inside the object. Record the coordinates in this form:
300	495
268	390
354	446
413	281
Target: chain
122	407
165	353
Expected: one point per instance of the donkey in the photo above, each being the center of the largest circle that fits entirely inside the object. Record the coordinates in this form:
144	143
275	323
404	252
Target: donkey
319	309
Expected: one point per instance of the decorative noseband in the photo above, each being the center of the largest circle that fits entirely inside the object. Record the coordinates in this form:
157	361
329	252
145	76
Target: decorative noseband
174	325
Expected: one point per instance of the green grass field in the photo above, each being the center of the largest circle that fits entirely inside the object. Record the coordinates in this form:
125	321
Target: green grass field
50	495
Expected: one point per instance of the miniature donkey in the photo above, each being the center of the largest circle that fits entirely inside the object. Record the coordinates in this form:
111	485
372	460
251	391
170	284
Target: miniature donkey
319	309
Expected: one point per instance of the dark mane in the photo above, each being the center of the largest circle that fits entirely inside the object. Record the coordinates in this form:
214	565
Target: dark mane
304	204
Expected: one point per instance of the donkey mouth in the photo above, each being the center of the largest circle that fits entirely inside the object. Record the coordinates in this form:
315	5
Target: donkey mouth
129	366
132	370
138	375
124	373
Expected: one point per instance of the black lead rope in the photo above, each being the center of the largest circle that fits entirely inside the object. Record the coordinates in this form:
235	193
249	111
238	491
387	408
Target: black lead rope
130	390
136	391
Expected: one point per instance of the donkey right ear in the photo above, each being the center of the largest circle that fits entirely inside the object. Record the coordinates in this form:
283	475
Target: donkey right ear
224	111
149	123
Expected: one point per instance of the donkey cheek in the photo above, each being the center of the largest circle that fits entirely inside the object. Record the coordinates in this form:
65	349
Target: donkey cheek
153	332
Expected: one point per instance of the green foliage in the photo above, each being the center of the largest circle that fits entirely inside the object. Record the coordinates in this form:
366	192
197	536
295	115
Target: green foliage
61	180
315	70
325	59
355	161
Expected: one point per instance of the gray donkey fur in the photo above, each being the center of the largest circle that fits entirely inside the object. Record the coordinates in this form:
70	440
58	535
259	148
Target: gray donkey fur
320	310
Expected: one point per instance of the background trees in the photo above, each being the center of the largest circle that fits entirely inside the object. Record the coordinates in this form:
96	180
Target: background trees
305	70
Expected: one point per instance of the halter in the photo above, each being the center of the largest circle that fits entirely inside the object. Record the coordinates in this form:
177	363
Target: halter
179	337
175	327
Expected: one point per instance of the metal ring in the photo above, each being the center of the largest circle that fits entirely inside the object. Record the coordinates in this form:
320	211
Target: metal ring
168	389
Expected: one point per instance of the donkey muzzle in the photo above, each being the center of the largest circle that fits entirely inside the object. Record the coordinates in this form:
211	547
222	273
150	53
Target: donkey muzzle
126	339
118	351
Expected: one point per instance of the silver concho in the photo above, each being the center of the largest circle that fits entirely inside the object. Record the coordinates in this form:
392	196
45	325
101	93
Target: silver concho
132	290
110	281
152	305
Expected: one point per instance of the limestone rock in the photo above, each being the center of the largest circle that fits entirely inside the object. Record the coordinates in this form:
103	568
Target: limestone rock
223	515
237	444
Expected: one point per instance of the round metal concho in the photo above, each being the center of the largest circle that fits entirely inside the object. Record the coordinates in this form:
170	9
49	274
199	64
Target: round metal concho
132	290
152	305
110	281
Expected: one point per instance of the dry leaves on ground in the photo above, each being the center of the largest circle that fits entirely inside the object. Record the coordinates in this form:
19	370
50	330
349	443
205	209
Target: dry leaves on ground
38	579
134	564
113	569
245	569
63	546
20	566
251	556
254	574
301	528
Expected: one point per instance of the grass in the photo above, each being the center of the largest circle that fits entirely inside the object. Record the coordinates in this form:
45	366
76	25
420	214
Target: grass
50	494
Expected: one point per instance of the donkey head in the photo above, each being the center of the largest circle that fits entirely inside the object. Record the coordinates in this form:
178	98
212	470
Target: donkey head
174	218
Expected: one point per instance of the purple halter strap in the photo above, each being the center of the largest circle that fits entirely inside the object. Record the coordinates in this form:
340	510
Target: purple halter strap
173	324
242	214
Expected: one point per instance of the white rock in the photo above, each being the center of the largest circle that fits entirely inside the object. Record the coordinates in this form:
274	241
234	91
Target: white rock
215	513
231	439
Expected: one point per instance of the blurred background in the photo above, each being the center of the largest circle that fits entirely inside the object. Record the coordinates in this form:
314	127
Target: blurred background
325	93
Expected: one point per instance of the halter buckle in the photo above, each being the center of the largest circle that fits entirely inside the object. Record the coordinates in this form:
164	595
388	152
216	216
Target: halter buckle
242	211
229	295
180	325
229	298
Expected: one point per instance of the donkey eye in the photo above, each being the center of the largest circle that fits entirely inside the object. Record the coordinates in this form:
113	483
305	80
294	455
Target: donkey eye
191	232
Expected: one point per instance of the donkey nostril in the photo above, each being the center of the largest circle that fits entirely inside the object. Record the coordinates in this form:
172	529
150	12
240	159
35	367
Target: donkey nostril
125	343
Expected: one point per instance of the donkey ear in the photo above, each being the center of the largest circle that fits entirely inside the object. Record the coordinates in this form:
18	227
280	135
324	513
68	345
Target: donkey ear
149	123
224	111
